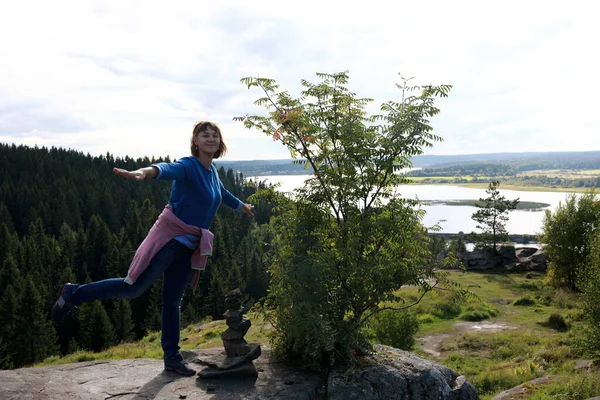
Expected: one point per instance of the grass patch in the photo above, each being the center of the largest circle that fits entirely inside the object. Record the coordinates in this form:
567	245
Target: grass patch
576	387
565	299
427	318
495	362
210	335
494	381
529	286
524	301
195	336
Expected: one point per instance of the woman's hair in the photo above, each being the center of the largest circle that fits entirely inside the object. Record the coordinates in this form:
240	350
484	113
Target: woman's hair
202	126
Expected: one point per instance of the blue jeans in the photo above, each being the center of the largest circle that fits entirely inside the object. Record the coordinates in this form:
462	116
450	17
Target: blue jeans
174	260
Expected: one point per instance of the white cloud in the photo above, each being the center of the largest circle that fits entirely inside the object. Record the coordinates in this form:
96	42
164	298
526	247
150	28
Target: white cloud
133	77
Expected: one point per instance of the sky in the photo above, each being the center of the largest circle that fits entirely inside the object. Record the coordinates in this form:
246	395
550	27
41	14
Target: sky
133	77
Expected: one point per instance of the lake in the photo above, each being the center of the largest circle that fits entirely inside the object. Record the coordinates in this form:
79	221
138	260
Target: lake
457	218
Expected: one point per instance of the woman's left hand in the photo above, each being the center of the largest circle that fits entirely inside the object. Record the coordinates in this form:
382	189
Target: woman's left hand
247	209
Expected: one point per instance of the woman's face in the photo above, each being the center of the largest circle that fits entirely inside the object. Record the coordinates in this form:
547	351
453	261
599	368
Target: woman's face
208	141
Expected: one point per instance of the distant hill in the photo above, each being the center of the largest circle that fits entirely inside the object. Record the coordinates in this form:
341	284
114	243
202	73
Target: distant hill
543	160
264	167
525	161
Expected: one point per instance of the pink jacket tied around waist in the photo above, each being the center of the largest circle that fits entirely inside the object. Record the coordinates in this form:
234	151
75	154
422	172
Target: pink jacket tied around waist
166	227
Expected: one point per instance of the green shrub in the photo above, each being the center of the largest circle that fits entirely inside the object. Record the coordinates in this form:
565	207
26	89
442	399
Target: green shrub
426	318
446	310
590	283
395	328
557	322
440	306
210	334
529	286
567	234
473	316
478	312
565	298
524	301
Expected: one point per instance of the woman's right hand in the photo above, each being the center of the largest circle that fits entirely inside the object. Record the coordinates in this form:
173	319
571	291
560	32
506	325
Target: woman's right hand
138	175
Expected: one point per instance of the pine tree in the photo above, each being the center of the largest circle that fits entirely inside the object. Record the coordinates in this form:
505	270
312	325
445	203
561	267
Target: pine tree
108	210
80	267
153	320
97	330
8	323
492	216
5	362
36	335
121	320
148	215
10	275
99	241
6	218
60	211
257	280
113	262
7	242
134	230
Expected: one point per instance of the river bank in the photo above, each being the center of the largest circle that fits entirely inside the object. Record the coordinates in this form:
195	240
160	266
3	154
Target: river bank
518	187
418	181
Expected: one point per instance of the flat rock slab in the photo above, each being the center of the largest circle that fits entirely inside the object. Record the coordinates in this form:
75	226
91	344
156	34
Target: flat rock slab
143	379
519	391
396	374
220	360
247	370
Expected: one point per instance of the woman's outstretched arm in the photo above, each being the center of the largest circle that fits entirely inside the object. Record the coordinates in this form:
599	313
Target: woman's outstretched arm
138	174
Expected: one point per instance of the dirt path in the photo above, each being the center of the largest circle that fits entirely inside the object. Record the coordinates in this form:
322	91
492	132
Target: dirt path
432	344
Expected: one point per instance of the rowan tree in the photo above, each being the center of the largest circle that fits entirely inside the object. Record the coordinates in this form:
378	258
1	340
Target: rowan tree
346	242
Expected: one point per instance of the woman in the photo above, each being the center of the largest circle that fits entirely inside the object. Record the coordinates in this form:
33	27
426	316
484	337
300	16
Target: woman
177	244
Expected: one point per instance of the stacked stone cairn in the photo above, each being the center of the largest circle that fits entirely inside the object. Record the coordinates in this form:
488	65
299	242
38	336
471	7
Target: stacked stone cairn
239	353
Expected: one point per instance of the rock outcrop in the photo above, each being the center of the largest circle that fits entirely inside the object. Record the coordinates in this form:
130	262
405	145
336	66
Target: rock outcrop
508	258
396	374
387	374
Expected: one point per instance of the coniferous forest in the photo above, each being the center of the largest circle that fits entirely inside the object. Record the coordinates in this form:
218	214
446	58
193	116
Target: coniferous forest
64	217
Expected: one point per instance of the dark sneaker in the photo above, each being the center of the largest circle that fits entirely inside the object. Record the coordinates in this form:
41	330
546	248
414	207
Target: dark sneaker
64	305
179	365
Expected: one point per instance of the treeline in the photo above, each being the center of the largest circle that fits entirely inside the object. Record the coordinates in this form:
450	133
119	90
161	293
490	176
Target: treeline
533	181
520	162
266	167
509	174
64	217
552	181
483	169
